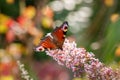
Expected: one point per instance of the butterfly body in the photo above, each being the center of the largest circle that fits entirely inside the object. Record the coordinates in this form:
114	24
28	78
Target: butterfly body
53	40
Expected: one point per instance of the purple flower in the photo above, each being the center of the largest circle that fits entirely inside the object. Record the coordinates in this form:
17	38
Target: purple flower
82	62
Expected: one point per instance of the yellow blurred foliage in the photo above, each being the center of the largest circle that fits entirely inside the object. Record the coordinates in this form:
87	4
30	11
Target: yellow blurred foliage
117	52
3	29
10	1
3	18
77	79
8	77
3	21
46	22
29	12
109	3
36	40
114	17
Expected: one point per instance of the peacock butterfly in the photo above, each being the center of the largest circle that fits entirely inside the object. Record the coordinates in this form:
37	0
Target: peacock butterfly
53	40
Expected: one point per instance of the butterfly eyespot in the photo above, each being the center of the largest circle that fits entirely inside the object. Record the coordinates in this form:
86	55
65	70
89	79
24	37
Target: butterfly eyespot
40	48
65	28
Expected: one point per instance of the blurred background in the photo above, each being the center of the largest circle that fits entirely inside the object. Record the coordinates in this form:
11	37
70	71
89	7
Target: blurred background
93	24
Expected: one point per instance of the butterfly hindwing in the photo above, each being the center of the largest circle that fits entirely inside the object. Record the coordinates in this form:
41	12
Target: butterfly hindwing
46	44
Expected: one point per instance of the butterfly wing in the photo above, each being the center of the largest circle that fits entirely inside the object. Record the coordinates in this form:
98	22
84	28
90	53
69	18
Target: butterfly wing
46	44
59	35
53	40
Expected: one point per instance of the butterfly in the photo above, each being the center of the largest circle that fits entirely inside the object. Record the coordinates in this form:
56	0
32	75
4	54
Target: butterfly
53	40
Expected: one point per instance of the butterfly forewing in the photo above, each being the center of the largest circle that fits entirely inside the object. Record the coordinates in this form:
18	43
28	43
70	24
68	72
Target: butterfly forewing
59	35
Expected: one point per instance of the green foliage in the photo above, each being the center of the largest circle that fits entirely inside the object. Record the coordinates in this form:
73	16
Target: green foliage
112	40
40	56
10	9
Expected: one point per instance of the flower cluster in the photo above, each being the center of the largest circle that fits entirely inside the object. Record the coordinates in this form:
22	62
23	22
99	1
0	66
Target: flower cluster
24	72
82	62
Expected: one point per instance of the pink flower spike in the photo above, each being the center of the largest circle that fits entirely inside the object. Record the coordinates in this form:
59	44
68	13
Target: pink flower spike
82	62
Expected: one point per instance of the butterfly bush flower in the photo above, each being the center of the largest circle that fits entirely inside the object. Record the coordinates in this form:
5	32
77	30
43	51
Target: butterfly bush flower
82	62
